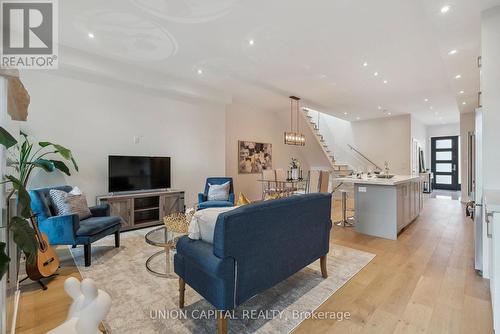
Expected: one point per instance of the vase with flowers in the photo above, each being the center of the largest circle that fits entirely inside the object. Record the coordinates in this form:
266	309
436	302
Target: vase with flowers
294	169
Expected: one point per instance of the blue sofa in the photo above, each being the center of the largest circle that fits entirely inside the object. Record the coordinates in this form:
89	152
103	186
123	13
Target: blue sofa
203	201
255	247
69	229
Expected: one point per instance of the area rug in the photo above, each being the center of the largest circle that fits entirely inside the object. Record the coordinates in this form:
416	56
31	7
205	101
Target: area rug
144	303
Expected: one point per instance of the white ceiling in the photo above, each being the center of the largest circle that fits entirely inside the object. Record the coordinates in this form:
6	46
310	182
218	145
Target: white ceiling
312	49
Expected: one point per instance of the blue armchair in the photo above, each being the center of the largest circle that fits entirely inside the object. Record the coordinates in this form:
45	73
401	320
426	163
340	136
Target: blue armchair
203	201
255	247
69	229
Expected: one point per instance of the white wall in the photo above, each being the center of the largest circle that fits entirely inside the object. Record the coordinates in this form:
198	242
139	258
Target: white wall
490	85
452	129
95	120
245	122
385	139
467	123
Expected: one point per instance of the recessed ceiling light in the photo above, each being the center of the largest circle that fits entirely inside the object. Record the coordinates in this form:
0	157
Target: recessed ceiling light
358	118
365	64
426	100
431	107
345	113
461	92
251	42
452	52
385	81
375	74
389	113
379	108
458	76
464	103
200	71
445	9
91	35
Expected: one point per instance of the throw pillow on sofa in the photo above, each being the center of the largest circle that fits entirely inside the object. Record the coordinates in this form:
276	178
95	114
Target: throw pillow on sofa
202	225
218	192
242	200
73	202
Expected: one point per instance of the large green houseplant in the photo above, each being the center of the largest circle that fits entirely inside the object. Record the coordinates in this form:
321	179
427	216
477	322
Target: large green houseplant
26	158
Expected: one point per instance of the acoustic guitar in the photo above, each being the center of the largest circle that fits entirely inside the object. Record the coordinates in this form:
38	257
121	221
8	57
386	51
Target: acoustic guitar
45	262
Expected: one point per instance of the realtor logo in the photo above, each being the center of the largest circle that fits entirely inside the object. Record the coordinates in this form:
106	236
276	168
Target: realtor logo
29	34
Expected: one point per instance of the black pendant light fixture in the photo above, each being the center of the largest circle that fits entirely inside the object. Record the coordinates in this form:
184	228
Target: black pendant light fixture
294	137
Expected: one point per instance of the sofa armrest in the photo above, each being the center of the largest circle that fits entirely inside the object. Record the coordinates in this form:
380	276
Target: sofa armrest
202	198
209	275
61	230
201	253
101	210
231	198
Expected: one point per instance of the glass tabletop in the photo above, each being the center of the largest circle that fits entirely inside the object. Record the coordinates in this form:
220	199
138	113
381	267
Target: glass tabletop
283	181
161	237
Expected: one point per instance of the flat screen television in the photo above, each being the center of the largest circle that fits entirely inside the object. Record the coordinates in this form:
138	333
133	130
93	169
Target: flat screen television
135	173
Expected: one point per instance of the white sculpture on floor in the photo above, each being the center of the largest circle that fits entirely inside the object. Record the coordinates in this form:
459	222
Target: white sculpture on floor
90	306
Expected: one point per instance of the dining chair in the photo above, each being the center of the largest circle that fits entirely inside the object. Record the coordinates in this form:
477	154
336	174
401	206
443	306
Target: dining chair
268	182
314	180
281	179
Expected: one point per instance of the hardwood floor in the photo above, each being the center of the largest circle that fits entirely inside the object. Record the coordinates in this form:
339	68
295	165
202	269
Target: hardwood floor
40	311
424	282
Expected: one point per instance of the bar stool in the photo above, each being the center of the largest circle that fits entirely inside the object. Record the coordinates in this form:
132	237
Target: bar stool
346	221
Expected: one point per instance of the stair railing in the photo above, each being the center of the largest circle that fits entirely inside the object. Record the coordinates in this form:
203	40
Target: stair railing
364	157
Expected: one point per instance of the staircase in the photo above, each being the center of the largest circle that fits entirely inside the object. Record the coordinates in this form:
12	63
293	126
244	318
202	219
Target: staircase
339	169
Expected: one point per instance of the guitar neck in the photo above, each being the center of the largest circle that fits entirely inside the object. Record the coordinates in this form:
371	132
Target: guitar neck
38	233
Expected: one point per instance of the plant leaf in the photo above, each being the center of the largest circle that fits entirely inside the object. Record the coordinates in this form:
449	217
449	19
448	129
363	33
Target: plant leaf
6	138
23	198
61	166
74	163
46	165
4	260
24	236
63	151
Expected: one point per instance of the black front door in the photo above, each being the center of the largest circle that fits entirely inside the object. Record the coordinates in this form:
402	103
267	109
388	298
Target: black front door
444	162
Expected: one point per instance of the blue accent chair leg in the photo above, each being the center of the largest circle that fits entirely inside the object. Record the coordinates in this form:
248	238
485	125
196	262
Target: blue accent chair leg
88	254
117	239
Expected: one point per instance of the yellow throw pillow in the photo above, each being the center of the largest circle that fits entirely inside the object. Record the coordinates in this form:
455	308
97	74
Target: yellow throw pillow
242	200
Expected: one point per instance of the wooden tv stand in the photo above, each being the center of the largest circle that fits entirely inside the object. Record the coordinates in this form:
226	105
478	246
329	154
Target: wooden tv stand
143	209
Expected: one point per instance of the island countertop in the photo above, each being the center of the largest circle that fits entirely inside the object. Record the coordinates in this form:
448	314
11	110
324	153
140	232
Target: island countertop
397	179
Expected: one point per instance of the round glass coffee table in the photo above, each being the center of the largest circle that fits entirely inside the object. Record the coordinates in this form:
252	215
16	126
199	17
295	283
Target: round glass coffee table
161	237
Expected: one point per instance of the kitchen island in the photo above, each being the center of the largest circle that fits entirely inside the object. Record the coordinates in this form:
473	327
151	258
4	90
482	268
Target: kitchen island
385	206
